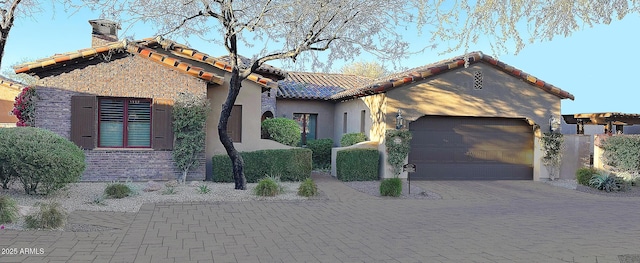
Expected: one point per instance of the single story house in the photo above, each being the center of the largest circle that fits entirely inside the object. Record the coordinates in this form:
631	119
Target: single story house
472	117
114	100
8	91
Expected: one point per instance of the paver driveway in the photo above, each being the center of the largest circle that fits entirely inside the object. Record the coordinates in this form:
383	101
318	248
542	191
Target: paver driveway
506	221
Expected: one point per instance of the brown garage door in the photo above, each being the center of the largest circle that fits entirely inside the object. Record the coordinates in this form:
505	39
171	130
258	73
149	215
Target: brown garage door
471	148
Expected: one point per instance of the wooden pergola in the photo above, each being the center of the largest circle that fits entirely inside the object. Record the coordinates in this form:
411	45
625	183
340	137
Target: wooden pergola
608	119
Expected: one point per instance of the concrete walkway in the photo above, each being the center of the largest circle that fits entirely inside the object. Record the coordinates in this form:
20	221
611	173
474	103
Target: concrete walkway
474	222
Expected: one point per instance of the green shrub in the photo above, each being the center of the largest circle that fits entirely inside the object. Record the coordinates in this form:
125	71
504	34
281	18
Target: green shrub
48	216
308	188
8	210
289	164
357	164
117	190
282	130
321	152
606	182
622	152
349	139
268	186
203	189
41	160
584	174
391	187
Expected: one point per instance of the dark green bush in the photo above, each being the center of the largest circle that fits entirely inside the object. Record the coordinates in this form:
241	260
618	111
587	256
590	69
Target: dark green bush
308	188
268	186
48	216
391	187
584	174
622	152
288	164
282	130
117	190
349	139
8	210
321	149
41	160
357	164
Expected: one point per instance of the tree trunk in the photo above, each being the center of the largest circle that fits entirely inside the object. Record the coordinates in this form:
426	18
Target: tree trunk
4	34
236	160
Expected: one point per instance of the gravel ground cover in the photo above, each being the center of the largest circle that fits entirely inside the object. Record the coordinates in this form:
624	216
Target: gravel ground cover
373	188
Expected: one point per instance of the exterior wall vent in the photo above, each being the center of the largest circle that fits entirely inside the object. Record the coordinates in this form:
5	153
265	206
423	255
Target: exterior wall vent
477	80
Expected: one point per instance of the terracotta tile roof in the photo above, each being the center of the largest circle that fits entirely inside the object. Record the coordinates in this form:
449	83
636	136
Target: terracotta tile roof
428	71
317	86
187	52
264	69
143	48
10	84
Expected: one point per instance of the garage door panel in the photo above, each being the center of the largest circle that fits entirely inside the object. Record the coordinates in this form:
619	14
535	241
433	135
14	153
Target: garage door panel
456	148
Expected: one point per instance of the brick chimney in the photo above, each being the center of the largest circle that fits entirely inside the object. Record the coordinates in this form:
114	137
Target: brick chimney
104	31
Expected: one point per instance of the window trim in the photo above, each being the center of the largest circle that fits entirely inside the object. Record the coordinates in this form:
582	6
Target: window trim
125	123
344	123
305	126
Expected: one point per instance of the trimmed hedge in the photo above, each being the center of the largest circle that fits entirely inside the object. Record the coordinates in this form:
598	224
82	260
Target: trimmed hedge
41	160
282	130
357	165
391	187
321	149
352	138
288	164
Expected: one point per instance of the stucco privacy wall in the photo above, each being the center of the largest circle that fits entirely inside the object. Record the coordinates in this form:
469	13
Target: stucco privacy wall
122	77
249	98
324	109
454	94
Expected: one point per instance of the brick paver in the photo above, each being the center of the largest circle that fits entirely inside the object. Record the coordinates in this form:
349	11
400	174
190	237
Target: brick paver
500	221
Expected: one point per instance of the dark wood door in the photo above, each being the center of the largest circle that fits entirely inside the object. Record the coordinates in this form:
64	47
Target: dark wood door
471	148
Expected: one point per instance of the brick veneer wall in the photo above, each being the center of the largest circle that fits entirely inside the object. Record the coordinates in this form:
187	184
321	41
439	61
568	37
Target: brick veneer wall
121	77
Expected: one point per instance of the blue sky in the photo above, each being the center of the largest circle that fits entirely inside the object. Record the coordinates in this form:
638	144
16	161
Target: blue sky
596	65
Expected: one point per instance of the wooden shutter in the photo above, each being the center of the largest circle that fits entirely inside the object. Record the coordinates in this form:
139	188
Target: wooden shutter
162	123
83	121
234	126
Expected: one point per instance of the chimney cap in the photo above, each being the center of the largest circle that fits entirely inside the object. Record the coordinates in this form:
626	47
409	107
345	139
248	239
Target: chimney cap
104	26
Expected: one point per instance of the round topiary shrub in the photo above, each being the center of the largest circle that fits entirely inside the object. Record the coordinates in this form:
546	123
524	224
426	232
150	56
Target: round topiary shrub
41	160
282	130
352	138
308	188
117	190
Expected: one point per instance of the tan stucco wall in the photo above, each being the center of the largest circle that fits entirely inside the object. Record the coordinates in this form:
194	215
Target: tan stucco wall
354	109
453	94
325	110
249	98
7	98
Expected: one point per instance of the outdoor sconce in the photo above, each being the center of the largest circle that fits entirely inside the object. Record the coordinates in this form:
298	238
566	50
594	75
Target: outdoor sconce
554	124
399	120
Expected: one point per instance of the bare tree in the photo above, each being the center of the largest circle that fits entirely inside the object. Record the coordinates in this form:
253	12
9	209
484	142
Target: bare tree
9	10
296	31
368	69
